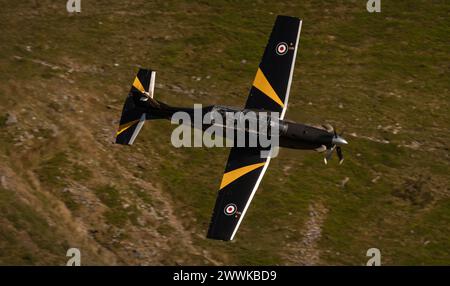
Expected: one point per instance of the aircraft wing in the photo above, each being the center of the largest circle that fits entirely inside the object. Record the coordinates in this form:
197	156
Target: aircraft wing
245	167
272	83
243	173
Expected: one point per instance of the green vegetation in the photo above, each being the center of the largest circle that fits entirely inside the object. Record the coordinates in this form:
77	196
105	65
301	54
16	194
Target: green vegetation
52	171
117	214
55	172
27	228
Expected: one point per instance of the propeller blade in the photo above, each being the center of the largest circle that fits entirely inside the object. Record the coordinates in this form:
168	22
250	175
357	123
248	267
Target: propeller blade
337	140
322	148
340	155
329	154
328	128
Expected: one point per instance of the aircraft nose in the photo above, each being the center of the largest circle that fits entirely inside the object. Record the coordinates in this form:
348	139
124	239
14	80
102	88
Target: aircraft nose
339	141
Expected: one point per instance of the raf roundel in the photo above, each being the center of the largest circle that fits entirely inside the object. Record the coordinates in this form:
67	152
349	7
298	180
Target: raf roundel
230	209
281	48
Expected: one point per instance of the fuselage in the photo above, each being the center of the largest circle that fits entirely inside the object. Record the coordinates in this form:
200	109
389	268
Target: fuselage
291	135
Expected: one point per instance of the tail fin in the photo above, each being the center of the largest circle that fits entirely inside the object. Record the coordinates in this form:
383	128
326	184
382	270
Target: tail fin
134	113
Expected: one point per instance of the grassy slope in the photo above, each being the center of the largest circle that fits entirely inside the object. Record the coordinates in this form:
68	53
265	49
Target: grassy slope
387	71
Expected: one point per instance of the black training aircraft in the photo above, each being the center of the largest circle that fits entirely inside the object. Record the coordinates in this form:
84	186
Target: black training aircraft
246	166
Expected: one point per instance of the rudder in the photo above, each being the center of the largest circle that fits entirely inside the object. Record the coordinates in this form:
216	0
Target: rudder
134	111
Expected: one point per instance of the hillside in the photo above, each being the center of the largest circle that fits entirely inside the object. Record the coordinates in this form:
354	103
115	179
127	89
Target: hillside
383	78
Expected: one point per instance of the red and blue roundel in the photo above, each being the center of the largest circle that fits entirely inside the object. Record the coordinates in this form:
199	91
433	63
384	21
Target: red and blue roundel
282	48
230	209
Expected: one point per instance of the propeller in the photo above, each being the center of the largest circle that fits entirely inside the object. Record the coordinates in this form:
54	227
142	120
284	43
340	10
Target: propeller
337	142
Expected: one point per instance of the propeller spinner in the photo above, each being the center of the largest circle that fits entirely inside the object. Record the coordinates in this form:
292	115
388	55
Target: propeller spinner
337	142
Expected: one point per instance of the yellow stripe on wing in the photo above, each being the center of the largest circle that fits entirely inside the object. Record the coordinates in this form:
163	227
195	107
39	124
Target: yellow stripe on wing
231	176
263	85
125	126
137	84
